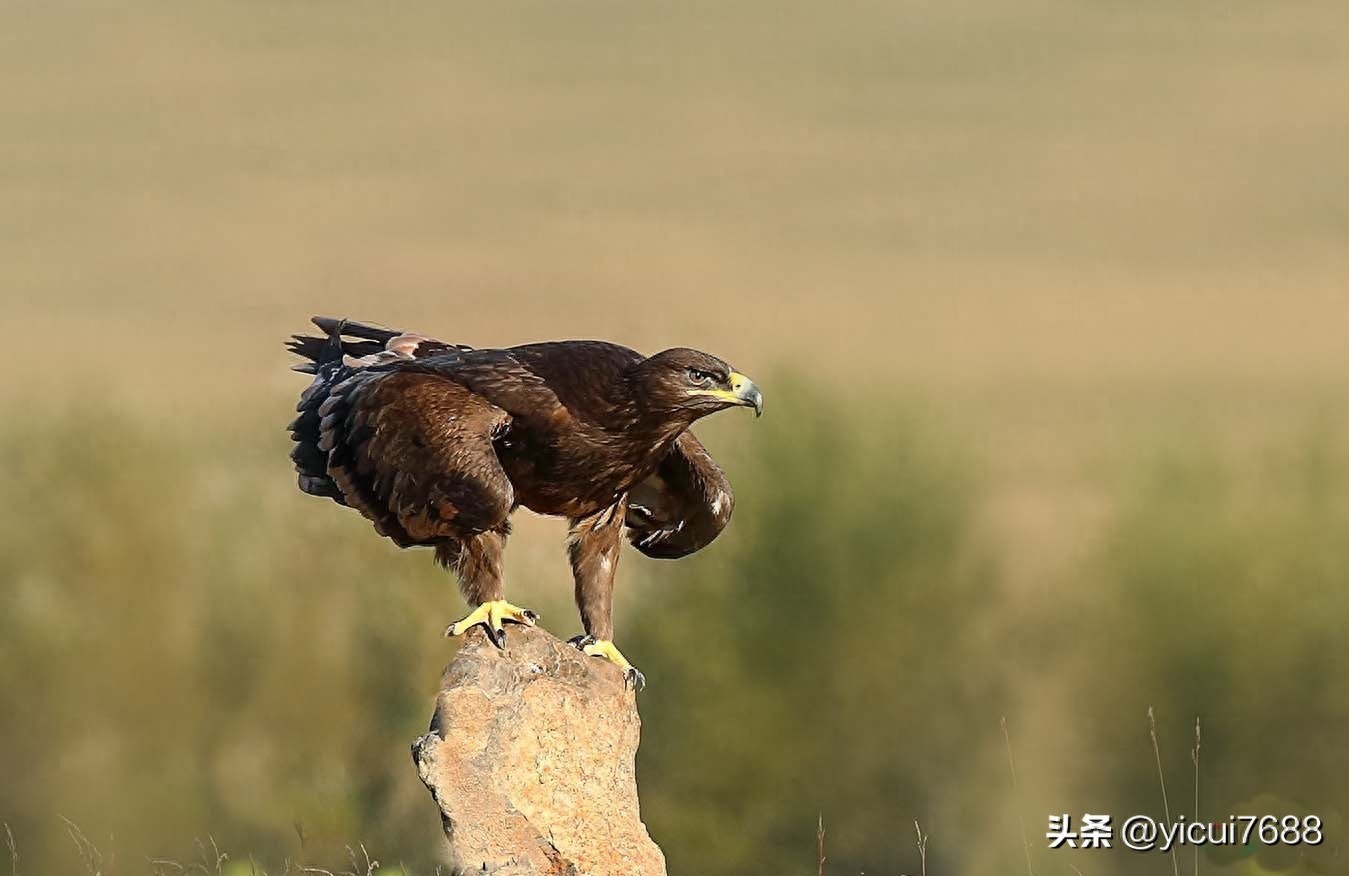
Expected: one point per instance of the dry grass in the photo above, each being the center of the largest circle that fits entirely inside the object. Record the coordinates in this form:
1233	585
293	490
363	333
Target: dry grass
89	853
1161	780
1016	796
212	860
819	846
920	843
13	850
1194	757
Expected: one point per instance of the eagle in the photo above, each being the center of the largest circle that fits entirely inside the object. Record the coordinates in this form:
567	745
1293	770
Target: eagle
438	444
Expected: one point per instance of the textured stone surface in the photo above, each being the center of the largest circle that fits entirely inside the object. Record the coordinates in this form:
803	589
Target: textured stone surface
530	758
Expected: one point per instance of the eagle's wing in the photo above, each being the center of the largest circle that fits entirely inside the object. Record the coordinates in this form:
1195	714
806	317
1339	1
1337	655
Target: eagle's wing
410	449
683	506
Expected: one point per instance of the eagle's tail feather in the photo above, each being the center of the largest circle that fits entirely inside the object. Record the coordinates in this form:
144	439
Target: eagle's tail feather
332	346
362	341
330	325
324	357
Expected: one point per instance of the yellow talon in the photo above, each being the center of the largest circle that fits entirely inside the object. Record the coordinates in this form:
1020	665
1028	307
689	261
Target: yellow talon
492	616
593	647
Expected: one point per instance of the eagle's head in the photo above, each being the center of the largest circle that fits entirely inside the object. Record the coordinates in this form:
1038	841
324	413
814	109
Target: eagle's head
689	384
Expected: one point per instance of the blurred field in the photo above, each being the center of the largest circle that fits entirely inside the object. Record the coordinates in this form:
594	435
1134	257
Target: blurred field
1048	301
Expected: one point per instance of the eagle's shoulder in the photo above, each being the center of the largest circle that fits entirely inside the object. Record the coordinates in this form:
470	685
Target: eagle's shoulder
555	359
574	381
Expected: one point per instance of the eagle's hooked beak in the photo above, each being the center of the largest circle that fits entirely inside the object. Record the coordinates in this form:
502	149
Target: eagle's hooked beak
744	392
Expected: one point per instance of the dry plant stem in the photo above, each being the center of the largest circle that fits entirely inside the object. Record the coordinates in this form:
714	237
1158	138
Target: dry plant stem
819	844
358	868
370	865
13	850
1161	777
214	861
1194	756
88	852
1016	797
921	844
211	860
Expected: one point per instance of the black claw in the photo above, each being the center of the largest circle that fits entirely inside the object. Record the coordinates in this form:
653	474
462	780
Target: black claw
581	641
530	615
498	637
634	677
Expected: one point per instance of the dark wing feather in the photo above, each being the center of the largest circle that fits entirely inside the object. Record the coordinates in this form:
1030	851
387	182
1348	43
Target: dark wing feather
333	360
411	450
683	506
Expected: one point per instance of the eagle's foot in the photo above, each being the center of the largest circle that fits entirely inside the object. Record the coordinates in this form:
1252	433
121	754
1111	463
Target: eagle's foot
604	648
492	615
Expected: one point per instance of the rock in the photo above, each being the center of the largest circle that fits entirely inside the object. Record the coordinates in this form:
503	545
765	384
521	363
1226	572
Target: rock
530	758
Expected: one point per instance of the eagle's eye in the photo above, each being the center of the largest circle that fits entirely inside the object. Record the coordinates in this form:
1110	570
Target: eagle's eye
699	378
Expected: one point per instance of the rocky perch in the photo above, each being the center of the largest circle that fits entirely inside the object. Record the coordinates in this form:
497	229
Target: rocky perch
530	758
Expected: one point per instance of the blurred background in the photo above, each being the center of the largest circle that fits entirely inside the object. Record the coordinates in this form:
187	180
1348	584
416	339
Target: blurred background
1047	299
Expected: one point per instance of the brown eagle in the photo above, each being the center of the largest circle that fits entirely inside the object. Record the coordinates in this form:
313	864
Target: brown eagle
437	444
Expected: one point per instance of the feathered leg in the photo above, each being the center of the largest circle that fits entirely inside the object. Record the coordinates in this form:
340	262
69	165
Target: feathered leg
592	545
477	562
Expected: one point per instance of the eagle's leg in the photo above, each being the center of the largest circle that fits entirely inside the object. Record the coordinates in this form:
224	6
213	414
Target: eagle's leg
592	545
477	563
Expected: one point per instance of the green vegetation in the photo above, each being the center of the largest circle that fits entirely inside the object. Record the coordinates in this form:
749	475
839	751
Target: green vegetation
830	656
186	650
187	647
1223	594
